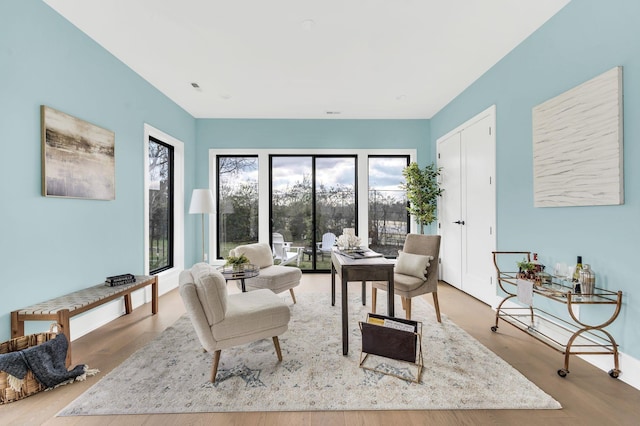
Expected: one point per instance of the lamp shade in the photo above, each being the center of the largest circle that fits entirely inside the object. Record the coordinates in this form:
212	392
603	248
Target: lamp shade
202	202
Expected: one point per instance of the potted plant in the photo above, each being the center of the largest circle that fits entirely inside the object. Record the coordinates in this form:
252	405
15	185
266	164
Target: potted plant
423	190
526	269
237	262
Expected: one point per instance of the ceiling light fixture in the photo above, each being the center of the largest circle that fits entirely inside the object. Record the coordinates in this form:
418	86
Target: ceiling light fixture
333	112
401	97
195	85
225	96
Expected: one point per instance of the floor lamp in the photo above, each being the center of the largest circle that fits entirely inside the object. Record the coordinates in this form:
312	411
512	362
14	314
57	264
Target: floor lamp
202	202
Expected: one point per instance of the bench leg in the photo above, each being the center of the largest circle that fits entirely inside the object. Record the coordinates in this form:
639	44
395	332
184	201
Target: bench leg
63	321
154	296
127	303
17	327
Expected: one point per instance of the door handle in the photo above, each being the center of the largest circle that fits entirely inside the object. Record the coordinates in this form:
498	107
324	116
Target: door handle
459	222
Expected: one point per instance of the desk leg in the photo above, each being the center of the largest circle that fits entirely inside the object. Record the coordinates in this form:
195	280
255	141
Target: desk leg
333	285
364	293
345	316
390	296
244	290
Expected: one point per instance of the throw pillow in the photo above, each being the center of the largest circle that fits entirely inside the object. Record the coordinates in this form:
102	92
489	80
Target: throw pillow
412	264
258	253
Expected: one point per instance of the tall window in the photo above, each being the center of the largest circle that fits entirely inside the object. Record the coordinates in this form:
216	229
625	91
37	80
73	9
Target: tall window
237	196
161	200
388	216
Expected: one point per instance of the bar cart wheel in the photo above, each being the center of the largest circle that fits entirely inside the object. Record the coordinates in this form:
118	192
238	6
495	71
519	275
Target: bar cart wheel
563	372
614	373
494	328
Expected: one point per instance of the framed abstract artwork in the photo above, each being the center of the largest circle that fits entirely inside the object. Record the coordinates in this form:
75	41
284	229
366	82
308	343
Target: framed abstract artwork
577	145
78	158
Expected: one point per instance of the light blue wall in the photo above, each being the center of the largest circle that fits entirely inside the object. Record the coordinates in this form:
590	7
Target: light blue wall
311	134
583	40
51	246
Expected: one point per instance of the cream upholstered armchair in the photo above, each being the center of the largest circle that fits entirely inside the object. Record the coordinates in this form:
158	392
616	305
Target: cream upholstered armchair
415	273
276	278
224	320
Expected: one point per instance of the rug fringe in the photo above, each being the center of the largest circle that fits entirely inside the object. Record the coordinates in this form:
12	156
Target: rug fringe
81	378
14	383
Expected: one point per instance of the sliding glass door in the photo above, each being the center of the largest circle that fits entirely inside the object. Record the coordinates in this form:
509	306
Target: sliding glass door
312	198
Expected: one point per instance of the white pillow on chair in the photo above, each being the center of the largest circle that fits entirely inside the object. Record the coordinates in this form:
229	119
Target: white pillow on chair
259	254
412	264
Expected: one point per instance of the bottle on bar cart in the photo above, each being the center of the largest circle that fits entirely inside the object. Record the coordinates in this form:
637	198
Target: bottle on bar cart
576	275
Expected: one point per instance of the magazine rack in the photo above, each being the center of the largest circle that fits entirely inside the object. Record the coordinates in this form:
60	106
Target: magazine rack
393	343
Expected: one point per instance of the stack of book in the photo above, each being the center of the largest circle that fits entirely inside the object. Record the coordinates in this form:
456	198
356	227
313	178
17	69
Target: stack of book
120	280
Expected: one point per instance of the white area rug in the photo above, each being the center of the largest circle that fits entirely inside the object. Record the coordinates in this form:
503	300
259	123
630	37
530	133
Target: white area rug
170	375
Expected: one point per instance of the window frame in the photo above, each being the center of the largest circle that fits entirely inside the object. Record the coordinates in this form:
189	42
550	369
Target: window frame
214	237
178	201
171	203
362	193
408	161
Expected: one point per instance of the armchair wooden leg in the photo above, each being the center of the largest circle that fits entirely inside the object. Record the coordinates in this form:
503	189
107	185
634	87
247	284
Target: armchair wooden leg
214	367
407	307
276	343
374	295
436	305
293	296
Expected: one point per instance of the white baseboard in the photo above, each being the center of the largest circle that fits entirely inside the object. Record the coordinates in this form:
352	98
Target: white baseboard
629	366
96	318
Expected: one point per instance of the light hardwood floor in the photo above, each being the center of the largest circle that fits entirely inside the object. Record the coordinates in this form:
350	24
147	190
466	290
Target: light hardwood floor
588	395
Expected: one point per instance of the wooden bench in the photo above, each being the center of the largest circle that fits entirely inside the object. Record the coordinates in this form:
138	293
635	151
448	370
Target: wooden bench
63	308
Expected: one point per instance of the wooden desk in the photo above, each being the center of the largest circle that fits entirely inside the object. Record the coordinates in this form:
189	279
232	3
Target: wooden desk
62	309
373	269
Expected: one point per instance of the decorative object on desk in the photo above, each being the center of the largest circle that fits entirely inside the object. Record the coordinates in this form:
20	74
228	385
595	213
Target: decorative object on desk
202	202
78	158
314	376
423	191
120	280
360	253
348	240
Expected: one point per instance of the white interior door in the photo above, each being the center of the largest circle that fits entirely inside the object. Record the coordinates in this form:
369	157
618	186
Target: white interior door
478	210
467	214
450	210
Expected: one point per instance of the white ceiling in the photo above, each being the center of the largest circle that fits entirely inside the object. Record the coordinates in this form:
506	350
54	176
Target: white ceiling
309	58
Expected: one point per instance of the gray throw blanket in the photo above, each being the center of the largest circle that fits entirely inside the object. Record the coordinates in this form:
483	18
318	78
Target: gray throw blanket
47	361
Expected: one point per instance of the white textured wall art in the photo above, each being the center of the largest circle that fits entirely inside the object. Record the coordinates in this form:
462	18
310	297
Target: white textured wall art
577	145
